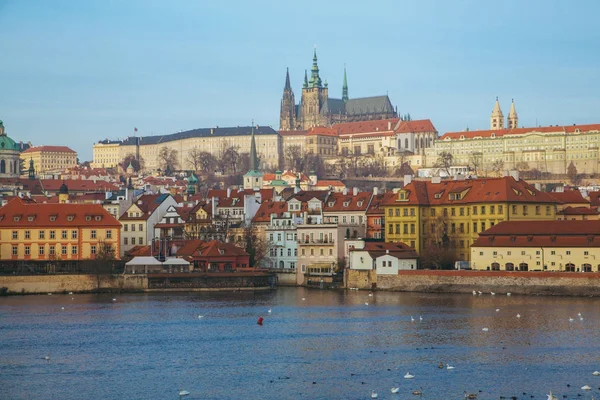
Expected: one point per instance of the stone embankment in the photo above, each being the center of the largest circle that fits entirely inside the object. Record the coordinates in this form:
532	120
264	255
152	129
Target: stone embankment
500	282
32	284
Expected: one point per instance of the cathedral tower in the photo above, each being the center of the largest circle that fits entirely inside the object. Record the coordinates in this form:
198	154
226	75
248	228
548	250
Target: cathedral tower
314	96
287	118
345	97
497	118
513	119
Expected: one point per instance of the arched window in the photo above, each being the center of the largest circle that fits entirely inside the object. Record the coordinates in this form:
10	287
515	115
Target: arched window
570	267
416	144
16	169
406	143
281	264
587	267
495	266
422	143
509	266
523	267
2	167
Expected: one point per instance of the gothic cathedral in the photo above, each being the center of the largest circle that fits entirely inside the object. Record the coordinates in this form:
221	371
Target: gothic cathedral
316	108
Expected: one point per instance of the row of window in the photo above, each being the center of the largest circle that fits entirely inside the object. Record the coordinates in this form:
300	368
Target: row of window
273	252
140	240
289	236
477	210
126	227
312	252
51	250
537	253
64	234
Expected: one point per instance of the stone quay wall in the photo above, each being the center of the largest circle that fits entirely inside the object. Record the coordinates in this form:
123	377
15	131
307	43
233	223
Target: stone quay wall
500	282
32	284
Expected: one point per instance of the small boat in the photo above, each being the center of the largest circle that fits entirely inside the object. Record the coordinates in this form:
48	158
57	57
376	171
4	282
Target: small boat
470	395
183	392
374	395
408	376
395	390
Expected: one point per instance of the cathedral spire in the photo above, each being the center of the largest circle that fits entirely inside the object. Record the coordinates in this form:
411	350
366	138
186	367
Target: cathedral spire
315	79
513	119
253	157
345	87
287	80
305	84
497	118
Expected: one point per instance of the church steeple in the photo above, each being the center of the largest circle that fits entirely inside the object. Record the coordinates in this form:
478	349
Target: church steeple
287	80
253	157
287	115
305	84
513	119
345	88
31	171
497	118
315	79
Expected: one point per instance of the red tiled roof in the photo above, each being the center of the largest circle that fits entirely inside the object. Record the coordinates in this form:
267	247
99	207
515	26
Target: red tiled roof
292	133
78	185
49	149
322	131
32	214
138	251
200	248
337	202
398	250
267	208
377	202
147	203
416	126
327	183
577	211
268	177
569	197
351	128
489	190
541	233
567	129
594	199
266	194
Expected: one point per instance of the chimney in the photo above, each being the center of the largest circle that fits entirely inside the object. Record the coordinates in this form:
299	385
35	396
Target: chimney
515	174
407	179
228	192
375	190
387	251
354	191
345	191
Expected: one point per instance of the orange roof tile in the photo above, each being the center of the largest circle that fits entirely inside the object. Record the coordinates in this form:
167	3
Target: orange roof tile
267	208
351	128
327	183
569	197
416	126
292	133
322	131
78	185
567	129
578	211
594	198
49	149
27	213
337	202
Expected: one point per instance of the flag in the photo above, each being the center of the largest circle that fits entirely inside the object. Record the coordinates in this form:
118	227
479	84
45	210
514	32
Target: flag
135	129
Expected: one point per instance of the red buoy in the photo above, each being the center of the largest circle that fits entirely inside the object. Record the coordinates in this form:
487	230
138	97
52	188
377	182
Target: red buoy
260	320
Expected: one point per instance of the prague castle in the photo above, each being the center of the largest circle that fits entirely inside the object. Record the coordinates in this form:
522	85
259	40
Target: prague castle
316	108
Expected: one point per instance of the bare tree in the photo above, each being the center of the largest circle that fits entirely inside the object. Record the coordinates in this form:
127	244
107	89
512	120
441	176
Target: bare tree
444	161
167	159
475	162
231	158
522	166
137	164
103	260
498	166
193	159
373	166
572	173
293	157
255	245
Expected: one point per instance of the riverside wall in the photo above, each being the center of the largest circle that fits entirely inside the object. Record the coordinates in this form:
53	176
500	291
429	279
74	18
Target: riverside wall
500	282
32	284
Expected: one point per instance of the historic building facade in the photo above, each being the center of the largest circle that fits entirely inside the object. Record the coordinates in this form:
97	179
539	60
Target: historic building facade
316	108
545	148
9	155
50	158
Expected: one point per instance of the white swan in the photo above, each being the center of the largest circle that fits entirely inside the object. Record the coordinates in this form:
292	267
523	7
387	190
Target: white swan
70	292
114	299
508	294
497	310
408	376
366	303
370	294
448	366
304	298
492	293
395	390
586	387
420	318
596	373
183	392
474	293
374	394
47	357
484	329
200	316
579	314
571	319
518	315
62	308
581	318
479	292
412	319
269	311
551	396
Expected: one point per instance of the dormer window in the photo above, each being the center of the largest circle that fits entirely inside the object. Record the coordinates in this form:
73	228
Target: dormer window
221	252
346	203
330	204
17	218
70	217
53	218
360	203
98	218
88	218
30	218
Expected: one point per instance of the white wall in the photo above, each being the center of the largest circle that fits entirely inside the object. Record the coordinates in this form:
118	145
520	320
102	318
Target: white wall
361	260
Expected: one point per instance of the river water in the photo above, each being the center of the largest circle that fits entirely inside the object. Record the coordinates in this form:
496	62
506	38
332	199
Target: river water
329	346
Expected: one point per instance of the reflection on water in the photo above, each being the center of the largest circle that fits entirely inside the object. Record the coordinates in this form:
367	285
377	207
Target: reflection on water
332	345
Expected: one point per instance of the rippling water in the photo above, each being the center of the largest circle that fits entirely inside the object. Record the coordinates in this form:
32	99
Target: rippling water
330	346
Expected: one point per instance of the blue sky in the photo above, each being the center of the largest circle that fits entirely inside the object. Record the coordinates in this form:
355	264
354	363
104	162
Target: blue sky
74	72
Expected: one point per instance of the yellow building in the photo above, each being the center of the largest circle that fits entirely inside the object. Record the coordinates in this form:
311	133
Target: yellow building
322	142
50	158
212	140
570	246
547	149
293	138
451	213
106	154
35	231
